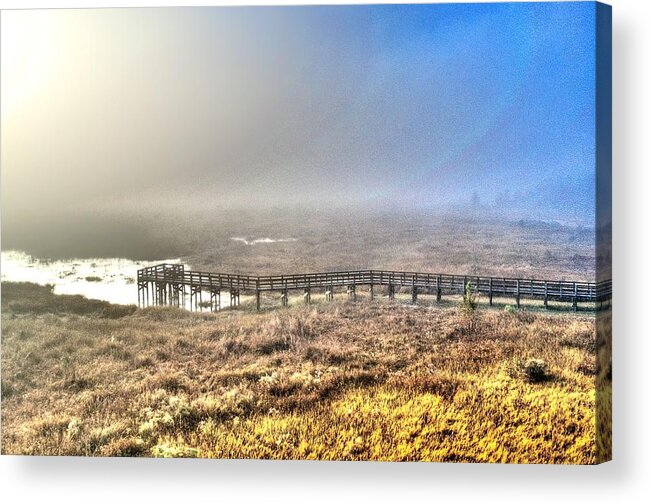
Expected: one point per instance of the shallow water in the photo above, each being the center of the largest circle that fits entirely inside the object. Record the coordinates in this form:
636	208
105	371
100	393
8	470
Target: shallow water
255	241
112	279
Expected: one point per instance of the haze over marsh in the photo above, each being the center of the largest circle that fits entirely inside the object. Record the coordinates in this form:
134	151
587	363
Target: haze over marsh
155	110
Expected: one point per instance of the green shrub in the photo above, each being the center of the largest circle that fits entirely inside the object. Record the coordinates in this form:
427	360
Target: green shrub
469	306
469	302
534	370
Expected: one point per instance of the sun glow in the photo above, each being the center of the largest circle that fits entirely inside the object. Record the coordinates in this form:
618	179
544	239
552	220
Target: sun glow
26	56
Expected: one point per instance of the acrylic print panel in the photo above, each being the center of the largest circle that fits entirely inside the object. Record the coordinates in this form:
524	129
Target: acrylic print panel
323	232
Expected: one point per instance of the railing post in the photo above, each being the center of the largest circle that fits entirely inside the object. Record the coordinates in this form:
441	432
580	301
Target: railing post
414	290
517	293
490	291
438	289
574	299
308	291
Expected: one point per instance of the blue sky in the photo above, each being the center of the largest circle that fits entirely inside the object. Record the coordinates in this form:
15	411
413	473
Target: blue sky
421	105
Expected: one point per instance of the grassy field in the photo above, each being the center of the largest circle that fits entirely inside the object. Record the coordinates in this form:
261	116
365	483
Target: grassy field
338	381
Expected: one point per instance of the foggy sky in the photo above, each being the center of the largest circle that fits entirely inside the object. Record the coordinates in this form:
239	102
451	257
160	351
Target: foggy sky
416	105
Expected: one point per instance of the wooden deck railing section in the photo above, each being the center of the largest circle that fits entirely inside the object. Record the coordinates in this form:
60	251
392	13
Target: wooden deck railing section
168	284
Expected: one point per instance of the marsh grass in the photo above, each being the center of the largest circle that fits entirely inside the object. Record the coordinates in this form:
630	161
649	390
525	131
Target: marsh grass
344	381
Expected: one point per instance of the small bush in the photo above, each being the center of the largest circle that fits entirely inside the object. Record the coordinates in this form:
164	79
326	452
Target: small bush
534	370
469	306
469	302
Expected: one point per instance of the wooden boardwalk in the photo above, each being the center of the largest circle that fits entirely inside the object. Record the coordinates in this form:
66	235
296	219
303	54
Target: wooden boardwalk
170	284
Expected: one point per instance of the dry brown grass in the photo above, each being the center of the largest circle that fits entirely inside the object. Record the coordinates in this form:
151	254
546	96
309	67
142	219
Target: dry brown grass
413	241
349	381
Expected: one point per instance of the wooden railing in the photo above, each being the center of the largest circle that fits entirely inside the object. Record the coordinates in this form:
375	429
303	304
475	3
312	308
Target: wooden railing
174	277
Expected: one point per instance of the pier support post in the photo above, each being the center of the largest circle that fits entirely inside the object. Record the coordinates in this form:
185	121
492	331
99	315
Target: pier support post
371	292
517	293
194	298
438	289
215	299
574	299
257	299
329	293
235	295
351	292
490	291
414	294
307	296
284	298
392	291
159	293
546	296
